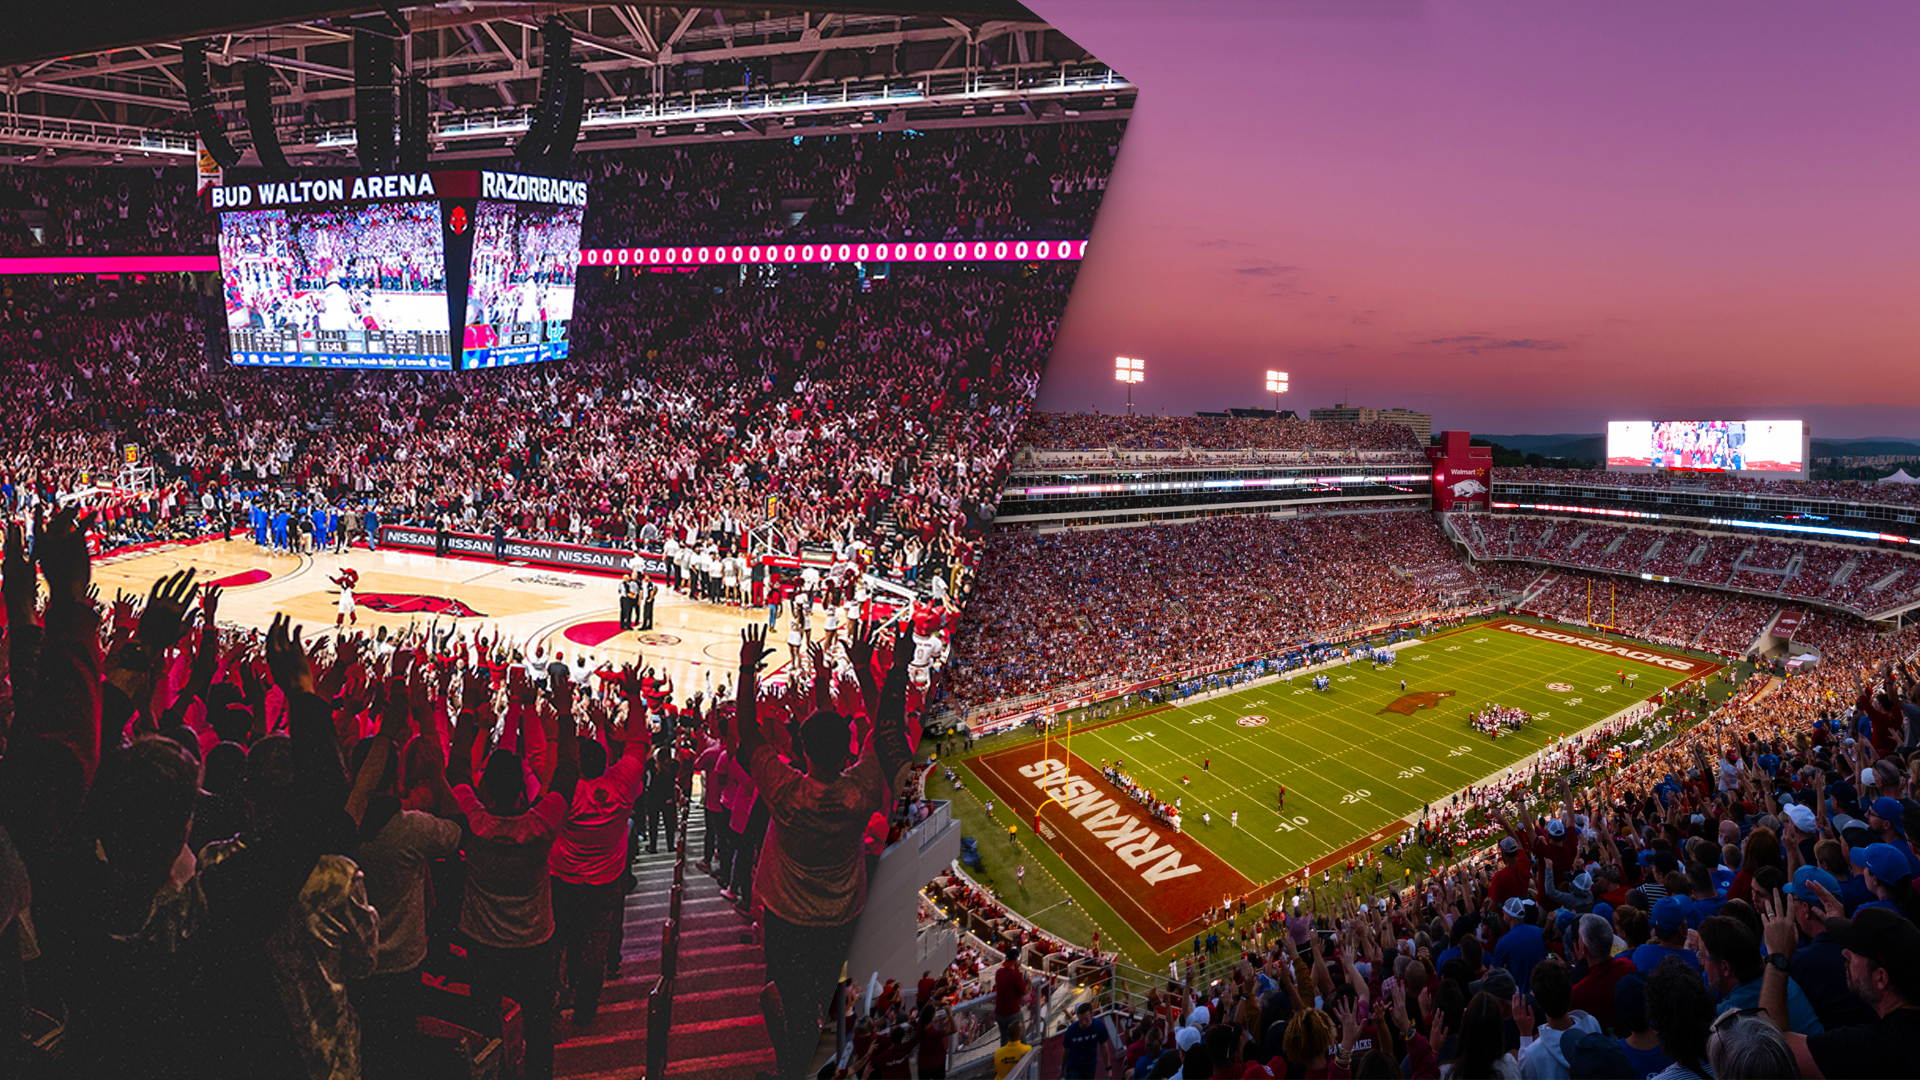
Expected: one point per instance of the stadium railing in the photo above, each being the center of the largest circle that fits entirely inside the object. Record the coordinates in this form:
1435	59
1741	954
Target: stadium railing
660	998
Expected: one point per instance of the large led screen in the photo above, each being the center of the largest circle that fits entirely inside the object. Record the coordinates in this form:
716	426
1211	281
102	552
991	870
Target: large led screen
520	292
1747	446
361	286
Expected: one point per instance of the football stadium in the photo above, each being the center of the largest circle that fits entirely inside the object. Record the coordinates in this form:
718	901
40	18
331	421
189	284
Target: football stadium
609	541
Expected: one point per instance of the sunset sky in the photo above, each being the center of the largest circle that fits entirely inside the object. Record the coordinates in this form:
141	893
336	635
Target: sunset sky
1521	217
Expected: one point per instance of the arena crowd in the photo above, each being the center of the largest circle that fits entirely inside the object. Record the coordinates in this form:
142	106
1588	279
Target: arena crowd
250	855
811	408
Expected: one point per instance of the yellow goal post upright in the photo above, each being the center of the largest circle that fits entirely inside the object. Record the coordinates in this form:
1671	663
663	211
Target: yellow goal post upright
1612	623
1046	751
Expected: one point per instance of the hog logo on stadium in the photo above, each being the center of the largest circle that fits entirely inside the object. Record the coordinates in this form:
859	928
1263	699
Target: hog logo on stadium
1467	489
1407	704
415	603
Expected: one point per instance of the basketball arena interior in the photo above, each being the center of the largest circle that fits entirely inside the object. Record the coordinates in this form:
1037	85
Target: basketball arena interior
532	551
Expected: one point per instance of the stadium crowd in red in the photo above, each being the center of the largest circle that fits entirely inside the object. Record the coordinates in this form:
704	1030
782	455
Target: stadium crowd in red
1624	922
1733	560
1092	431
1847	490
1127	604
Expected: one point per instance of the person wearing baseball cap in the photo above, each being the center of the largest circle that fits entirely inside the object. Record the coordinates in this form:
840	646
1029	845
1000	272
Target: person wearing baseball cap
1802	817
1514	878
1884	817
1522	945
1819	965
1886	874
1882	952
1668	920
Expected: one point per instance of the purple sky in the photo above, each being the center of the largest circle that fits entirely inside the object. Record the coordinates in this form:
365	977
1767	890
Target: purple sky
1521	217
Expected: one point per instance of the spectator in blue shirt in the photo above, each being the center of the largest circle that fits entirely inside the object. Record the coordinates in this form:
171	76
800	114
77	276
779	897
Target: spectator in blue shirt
1522	945
1668	920
1730	957
1819	965
1886	876
1884	819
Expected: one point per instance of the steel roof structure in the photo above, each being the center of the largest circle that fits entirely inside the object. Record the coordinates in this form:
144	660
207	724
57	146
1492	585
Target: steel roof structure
654	74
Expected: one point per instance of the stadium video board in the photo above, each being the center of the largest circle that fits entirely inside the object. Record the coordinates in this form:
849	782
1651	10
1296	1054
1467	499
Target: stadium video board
378	271
1767	448
520	290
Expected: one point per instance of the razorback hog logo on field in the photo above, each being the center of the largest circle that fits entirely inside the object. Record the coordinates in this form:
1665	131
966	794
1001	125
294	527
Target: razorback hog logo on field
1466	489
415	603
1407	704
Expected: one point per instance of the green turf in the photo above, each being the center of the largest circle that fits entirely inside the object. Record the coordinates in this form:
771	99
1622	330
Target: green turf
1048	883
1328	748
1350	769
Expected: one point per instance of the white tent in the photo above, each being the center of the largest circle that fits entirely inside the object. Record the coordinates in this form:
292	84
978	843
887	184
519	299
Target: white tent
1899	477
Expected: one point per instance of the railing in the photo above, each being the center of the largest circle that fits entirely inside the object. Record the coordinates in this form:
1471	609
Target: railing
969	88
660	998
64	134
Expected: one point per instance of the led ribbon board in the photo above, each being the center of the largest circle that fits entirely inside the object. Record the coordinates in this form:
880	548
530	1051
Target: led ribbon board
905	251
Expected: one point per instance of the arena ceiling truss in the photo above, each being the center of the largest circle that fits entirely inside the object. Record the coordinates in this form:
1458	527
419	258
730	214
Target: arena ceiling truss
655	74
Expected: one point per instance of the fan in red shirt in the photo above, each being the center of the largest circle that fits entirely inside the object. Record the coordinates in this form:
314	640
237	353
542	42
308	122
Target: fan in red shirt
1514	878
1560	846
1009	990
1593	940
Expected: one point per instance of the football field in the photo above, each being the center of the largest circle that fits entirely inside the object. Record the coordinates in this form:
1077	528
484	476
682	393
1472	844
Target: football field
1358	761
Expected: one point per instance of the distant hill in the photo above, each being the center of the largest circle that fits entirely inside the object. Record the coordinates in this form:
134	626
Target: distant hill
1581	446
1866	447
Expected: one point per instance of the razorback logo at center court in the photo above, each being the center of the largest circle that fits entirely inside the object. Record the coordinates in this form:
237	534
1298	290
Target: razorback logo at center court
416	604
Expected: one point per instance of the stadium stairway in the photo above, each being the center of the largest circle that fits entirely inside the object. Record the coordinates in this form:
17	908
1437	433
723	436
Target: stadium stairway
717	1027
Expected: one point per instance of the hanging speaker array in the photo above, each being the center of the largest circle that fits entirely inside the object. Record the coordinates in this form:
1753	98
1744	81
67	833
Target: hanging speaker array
373	100
556	119
206	122
258	82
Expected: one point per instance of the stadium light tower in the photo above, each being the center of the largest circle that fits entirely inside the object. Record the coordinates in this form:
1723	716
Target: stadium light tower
1276	385
1129	370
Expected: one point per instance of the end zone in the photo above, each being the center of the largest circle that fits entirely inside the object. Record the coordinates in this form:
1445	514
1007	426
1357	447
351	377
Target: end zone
1161	882
1646	654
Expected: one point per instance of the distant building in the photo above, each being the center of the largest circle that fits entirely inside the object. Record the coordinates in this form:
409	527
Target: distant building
1421	423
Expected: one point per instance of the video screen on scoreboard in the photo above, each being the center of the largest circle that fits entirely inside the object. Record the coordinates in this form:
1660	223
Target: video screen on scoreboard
1749	446
361	286
520	289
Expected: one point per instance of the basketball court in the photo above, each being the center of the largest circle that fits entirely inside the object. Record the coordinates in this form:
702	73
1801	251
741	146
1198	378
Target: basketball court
533	606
